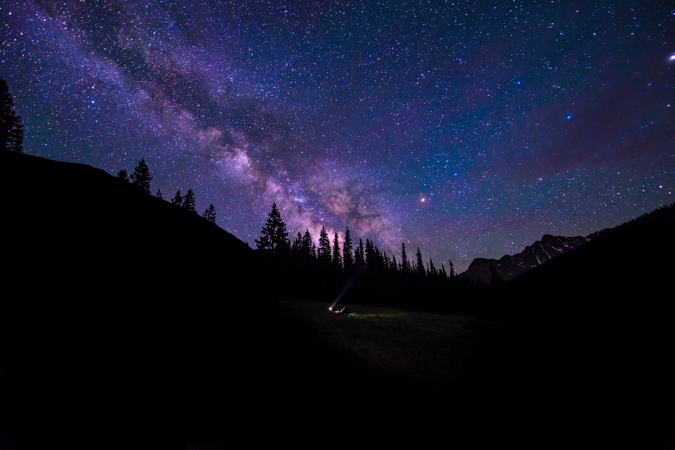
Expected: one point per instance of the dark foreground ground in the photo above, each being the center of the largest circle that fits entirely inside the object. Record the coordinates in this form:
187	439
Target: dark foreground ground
381	377
114	336
377	378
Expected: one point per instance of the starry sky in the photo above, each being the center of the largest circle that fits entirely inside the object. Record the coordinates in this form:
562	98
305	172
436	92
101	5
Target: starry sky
465	128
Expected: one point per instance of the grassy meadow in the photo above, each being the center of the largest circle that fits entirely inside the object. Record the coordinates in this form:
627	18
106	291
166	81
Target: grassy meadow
414	351
398	376
428	381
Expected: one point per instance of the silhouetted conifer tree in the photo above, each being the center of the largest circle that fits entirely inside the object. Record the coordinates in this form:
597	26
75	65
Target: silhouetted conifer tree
323	252
159	194
405	267
452	270
337	257
347	255
11	129
359	256
189	201
379	258
420	263
210	213
177	199
307	245
123	175
296	247
432	269
273	236
141	176
371	264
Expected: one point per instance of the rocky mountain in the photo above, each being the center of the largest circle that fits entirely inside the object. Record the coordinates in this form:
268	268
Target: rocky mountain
600	318
510	266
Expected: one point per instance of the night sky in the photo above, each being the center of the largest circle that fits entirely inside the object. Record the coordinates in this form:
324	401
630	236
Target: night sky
466	128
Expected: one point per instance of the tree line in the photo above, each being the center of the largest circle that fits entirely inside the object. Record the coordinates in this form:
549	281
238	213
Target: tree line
11	139
11	128
355	272
358	272
141	177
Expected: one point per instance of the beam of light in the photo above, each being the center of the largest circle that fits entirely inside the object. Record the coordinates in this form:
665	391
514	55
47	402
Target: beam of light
344	290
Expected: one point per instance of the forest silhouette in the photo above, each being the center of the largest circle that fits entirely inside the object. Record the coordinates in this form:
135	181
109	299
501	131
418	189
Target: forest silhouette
359	273
131	321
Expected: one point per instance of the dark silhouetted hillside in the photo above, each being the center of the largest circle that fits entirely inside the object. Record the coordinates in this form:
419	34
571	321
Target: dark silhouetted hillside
622	272
600	318
125	322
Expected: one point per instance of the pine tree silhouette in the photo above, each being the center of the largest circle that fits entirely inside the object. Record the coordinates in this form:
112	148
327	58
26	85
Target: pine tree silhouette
420	264
123	175
141	176
370	255
210	213
306	247
405	267
177	199
337	257
273	236
432	269
359	256
296	247
347	255
189	201
323	252
11	128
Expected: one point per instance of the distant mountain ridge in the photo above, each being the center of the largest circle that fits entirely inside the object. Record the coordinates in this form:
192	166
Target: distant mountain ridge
510	266
601	318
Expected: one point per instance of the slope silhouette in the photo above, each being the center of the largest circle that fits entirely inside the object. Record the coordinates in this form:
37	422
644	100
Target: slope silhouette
125	321
600	319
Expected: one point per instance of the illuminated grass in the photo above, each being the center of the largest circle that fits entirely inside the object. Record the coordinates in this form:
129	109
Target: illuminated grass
436	352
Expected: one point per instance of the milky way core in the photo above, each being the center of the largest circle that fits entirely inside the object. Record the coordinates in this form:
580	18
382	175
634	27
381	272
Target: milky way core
467	129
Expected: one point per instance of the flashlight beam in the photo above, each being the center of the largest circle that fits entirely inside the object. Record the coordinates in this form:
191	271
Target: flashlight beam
344	290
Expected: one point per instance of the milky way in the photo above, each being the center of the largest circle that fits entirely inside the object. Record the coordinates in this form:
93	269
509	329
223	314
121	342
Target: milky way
468	129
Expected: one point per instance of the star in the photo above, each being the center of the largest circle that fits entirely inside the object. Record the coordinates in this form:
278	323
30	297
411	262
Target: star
342	113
